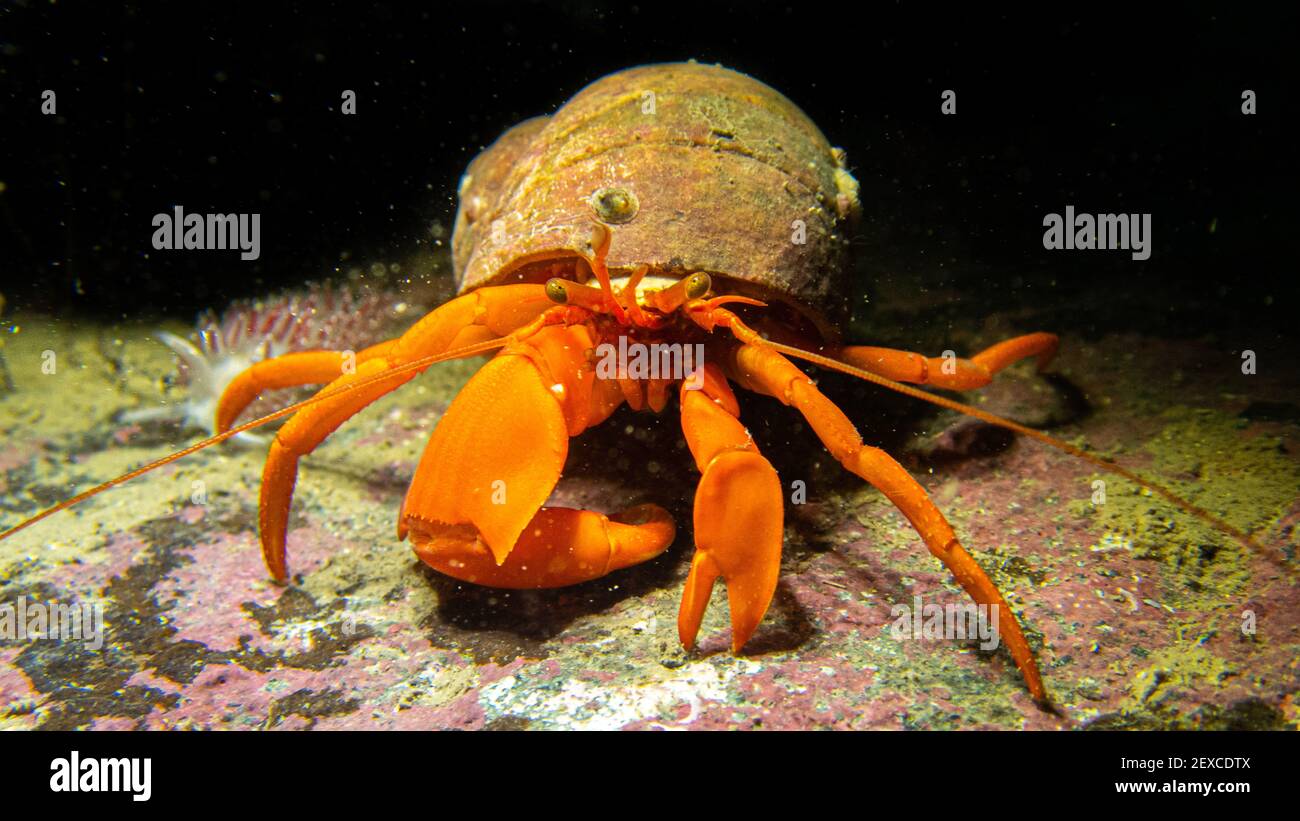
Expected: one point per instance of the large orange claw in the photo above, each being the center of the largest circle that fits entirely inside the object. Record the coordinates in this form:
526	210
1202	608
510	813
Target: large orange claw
558	548
485	314
739	516
474	507
494	457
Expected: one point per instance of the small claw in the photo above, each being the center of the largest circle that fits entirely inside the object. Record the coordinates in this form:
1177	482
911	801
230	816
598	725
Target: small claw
738	530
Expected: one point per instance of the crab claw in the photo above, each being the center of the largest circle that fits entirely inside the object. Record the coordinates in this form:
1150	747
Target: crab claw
559	547
738	527
739	517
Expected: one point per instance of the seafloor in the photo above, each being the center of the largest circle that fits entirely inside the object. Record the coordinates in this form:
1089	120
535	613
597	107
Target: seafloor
1134	609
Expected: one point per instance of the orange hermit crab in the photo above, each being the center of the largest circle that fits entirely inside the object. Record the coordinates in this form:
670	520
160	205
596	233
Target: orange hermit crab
679	190
709	211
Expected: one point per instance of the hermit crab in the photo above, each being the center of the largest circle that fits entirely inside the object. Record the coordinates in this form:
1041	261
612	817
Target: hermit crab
662	207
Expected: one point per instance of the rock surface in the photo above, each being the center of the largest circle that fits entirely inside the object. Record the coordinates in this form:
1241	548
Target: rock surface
1135	609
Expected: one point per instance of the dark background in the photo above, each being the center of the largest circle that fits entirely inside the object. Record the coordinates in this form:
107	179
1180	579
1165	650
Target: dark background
233	108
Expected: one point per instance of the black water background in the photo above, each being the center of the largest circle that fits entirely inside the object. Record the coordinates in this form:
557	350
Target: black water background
233	107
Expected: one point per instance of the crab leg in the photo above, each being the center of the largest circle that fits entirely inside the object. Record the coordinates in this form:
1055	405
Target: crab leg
288	371
948	372
498	310
764	370
475	317
738	514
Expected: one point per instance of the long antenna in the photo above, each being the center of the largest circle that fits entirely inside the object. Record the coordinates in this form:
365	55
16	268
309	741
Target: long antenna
994	419
415	364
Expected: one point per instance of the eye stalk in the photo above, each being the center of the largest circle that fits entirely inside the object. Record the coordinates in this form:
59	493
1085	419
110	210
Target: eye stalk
695	286
567	292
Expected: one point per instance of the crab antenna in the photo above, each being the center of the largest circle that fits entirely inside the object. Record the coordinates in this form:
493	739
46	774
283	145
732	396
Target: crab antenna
1051	441
628	293
415	364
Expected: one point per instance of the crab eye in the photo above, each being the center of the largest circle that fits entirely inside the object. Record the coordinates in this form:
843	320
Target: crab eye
555	291
698	285
615	205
